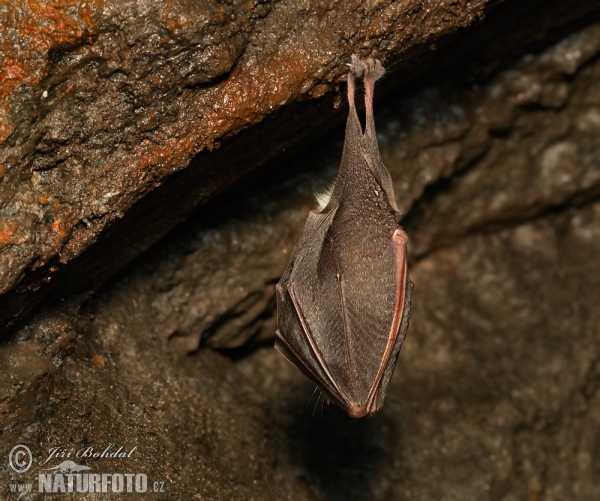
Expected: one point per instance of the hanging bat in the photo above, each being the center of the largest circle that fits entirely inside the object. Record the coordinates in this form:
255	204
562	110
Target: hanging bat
343	302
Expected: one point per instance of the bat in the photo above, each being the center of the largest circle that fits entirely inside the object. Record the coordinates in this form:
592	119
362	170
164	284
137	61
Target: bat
343	303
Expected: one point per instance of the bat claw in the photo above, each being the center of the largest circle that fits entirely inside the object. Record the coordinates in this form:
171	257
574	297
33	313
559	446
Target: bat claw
373	70
355	66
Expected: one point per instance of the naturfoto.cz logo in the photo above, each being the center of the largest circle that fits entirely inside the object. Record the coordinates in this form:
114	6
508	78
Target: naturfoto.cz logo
92	482
70	477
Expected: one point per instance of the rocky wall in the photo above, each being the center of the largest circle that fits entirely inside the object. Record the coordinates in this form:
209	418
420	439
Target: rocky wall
496	391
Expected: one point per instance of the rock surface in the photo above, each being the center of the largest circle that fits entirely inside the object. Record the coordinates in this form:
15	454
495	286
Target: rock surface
101	113
496	391
102	101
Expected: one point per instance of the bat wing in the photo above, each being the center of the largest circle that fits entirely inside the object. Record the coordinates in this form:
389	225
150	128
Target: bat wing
371	269
388	371
292	340
336	323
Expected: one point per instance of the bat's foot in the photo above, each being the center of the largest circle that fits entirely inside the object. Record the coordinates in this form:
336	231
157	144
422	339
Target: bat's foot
356	67
372	70
355	70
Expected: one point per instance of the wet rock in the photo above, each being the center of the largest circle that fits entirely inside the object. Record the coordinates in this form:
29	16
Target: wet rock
103	102
213	281
544	133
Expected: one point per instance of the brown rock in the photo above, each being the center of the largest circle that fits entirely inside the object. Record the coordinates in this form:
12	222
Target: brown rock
102	102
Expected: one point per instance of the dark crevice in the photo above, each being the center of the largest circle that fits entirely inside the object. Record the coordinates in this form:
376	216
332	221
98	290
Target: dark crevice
237	354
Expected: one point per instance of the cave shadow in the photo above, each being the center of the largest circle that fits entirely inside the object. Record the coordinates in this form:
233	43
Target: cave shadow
339	457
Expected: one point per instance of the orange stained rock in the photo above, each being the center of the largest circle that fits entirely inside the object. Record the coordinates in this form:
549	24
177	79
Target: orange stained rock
172	152
242	100
6	124
99	360
251	92
38	26
57	227
245	98
175	18
7	231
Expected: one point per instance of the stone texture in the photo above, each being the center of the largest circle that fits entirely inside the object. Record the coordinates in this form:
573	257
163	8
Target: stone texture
111	111
103	100
539	118
496	392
